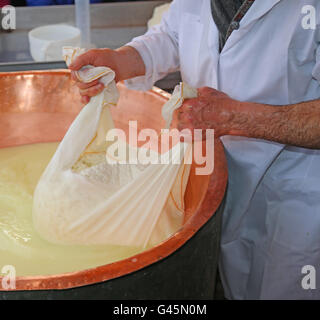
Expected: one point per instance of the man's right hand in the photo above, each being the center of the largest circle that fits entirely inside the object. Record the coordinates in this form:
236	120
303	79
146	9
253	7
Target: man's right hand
126	62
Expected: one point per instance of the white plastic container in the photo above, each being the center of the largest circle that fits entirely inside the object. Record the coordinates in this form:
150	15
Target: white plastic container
46	42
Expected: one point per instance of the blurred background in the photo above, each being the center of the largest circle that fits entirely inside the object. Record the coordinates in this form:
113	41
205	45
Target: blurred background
35	43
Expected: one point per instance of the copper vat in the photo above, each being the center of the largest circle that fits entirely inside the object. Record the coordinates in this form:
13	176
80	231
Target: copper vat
39	106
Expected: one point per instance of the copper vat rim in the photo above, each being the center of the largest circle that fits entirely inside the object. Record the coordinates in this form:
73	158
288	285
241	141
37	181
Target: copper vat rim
209	205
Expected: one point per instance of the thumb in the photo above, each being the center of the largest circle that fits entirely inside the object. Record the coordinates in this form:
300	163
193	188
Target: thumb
83	60
207	91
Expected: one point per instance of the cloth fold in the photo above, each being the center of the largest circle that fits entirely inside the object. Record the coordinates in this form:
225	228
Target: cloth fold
83	198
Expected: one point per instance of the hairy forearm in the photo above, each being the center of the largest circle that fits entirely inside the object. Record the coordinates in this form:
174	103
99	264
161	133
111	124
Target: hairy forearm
297	125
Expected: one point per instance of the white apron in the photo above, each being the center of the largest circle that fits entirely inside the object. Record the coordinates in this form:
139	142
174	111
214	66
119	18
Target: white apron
271	223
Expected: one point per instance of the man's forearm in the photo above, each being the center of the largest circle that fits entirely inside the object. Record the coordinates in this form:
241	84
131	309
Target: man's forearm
129	63
297	125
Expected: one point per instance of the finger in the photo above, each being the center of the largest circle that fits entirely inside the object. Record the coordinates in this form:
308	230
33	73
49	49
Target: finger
189	104
73	76
85	99
184	116
83	86
92	91
185	119
184	125
207	91
186	137
186	110
83	60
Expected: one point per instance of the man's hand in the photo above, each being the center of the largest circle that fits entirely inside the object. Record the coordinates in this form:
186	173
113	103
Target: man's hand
212	109
126	62
296	124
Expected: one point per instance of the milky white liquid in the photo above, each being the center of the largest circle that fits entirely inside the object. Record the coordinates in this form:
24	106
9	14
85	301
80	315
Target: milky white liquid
20	246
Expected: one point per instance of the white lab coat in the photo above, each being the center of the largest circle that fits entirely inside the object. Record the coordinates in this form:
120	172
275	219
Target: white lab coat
271	223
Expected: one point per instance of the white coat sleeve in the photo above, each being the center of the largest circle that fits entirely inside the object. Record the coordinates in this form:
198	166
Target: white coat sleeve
158	49
316	69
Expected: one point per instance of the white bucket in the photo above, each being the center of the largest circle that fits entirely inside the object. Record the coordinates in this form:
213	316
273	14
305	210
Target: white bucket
46	42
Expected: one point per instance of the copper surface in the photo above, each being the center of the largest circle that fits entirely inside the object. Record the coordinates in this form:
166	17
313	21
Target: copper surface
39	106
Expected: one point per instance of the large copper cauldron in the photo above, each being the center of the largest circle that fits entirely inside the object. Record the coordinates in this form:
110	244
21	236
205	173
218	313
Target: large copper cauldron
39	106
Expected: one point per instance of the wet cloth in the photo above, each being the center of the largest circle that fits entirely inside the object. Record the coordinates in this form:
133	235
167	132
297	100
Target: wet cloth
93	193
